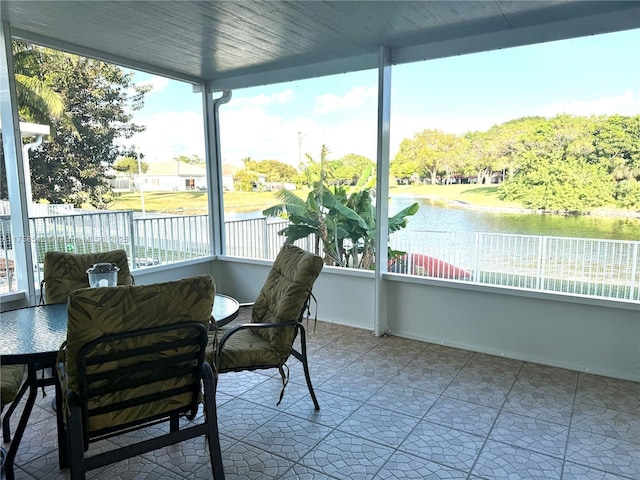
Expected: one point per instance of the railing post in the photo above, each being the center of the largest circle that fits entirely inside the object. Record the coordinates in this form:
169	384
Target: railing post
131	239
634	271
265	238
542	249
476	260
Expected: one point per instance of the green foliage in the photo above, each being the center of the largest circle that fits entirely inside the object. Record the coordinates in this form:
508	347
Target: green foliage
193	159
560	185
555	172
37	101
564	163
627	194
245	180
274	170
71	166
351	169
130	167
312	171
344	224
427	153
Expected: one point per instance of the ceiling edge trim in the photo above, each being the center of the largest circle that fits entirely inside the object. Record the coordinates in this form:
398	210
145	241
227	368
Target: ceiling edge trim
628	19
44	41
302	72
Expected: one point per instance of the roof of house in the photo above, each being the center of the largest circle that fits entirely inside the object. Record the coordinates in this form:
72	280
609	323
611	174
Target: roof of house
174	168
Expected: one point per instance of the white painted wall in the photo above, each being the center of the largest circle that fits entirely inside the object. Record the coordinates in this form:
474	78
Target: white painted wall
602	337
344	297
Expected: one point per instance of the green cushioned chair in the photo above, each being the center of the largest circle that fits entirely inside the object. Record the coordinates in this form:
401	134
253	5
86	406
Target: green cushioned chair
65	272
12	387
267	342
134	357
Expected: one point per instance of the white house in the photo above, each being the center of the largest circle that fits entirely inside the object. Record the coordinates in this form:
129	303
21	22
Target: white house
165	176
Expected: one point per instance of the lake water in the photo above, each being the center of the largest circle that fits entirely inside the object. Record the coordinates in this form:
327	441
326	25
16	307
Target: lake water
436	216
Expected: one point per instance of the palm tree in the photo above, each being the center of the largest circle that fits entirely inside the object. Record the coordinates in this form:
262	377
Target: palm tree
37	102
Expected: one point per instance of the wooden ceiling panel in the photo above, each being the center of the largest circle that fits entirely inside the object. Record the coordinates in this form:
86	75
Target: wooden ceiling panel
213	40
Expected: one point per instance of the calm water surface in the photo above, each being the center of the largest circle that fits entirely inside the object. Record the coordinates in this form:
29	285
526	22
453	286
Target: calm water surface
436	216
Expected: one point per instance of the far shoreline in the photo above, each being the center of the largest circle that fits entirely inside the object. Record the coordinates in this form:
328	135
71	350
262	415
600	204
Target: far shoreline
599	212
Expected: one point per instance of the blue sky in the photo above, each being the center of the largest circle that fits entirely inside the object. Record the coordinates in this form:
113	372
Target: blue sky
594	75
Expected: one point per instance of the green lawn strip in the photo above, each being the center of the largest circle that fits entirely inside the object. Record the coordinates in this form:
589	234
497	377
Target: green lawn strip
196	202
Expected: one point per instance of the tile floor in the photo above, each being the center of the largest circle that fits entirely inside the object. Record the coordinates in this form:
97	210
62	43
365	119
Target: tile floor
393	408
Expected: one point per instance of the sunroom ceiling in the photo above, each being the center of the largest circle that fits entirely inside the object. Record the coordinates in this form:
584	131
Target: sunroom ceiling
234	44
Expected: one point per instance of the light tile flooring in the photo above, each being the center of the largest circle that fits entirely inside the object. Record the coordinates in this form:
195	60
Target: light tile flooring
394	408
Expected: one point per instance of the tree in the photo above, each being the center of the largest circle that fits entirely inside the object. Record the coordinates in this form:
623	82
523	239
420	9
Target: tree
37	101
274	170
430	151
350	169
313	171
72	166
193	159
245	180
556	173
130	166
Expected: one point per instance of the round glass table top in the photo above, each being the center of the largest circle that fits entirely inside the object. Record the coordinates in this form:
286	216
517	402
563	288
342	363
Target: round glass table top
39	331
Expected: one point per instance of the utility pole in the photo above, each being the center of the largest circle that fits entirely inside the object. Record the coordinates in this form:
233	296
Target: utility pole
141	180
300	135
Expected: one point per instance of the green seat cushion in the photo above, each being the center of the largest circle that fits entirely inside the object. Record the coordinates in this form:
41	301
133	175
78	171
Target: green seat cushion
244	350
11	377
96	312
65	272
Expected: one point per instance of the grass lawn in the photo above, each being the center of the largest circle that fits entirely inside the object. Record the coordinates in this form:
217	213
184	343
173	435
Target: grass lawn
196	202
192	202
479	195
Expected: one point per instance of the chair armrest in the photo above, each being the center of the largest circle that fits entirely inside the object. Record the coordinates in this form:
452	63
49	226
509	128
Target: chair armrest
245	326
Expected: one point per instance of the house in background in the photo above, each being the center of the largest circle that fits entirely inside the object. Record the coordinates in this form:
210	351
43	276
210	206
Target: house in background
164	176
228	172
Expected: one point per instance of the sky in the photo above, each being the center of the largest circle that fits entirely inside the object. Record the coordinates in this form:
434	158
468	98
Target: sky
596	75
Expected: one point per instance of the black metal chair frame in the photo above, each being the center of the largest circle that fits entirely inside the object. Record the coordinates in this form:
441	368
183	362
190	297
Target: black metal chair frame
301	355
180	361
6	420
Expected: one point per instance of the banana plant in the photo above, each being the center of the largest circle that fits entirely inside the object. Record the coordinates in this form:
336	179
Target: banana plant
344	225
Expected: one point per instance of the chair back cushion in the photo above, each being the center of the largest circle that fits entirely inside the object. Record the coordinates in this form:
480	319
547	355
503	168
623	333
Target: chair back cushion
65	272
284	294
96	312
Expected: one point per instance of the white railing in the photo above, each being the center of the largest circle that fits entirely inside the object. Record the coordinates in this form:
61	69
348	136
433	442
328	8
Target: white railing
580	266
592	267
258	238
41	209
169	239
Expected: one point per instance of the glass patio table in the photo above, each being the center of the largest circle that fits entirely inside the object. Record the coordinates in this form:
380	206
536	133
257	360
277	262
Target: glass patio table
33	336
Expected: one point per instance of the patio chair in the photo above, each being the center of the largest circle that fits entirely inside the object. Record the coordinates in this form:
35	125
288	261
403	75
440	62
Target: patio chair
11	385
135	357
267	341
65	272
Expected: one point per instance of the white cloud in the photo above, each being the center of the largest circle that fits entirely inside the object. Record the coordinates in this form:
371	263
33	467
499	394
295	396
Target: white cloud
625	104
170	134
252	132
157	83
263	100
353	99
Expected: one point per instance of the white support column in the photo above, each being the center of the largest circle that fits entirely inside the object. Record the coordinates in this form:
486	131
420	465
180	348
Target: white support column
16	186
380	324
214	168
